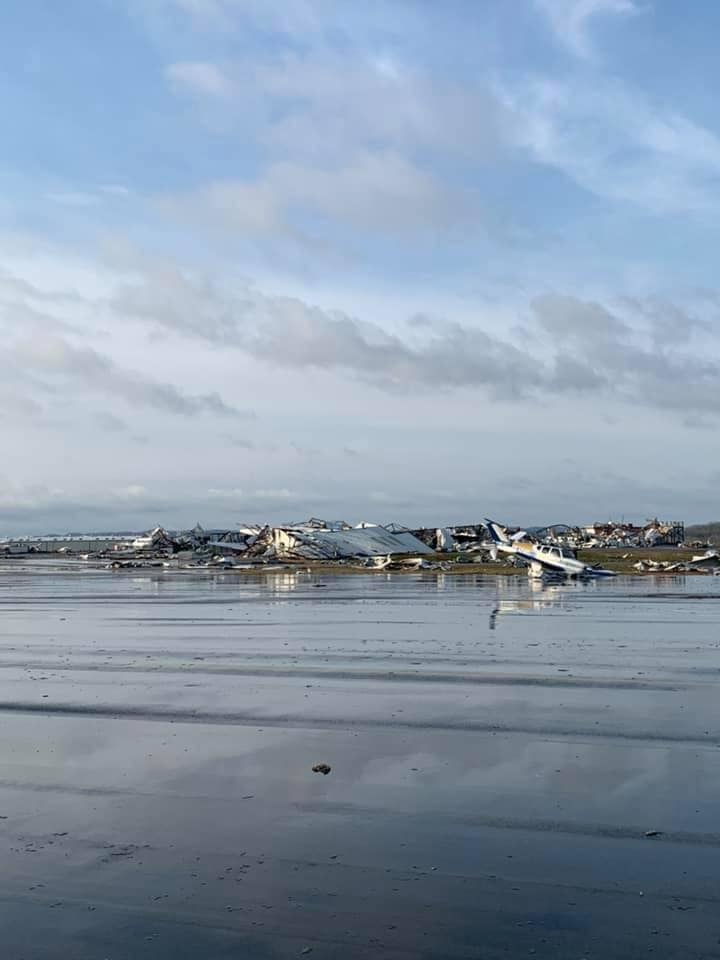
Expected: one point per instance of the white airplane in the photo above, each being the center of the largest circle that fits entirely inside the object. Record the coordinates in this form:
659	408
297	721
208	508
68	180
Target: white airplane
541	558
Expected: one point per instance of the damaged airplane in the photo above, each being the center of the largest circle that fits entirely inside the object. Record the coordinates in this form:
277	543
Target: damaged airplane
542	559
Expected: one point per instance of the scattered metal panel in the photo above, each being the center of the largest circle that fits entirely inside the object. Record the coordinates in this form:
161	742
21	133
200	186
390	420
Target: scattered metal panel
315	543
157	539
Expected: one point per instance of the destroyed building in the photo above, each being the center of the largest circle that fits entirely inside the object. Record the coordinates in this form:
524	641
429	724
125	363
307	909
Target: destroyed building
315	540
332	540
157	541
655	533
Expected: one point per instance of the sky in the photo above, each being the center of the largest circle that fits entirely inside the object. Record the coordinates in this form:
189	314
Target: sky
396	260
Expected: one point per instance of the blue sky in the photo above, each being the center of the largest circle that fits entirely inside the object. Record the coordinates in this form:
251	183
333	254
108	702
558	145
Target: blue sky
393	260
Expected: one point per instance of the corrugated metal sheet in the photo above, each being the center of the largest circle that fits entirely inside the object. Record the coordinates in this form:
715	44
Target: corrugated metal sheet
315	544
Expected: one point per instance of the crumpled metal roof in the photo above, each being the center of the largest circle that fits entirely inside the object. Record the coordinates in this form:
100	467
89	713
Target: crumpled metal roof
318	544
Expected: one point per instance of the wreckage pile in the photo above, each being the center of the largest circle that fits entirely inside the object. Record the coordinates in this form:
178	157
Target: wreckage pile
708	562
654	533
372	545
368	545
314	540
324	540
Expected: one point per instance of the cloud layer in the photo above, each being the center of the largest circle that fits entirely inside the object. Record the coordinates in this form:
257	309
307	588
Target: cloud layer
648	352
359	258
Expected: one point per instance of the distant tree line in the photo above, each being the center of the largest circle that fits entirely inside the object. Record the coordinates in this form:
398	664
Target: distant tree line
707	532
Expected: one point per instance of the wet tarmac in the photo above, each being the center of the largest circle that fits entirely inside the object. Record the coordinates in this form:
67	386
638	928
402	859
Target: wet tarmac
517	770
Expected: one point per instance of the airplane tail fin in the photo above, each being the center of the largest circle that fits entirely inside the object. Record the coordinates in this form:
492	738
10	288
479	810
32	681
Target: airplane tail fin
498	534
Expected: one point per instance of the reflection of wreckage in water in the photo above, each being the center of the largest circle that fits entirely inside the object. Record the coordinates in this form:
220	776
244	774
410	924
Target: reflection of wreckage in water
542	559
543	596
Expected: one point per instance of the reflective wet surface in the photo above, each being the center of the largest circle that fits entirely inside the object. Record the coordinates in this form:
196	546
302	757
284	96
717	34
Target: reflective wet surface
516	769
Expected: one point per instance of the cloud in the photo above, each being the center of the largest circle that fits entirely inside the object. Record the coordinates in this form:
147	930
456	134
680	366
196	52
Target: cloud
632	348
617	144
385	155
208	11
369	136
570	20
327	105
60	362
296	335
370	192
354	138
629	361
331	104
572	346
197	78
570	320
31	508
242	443
17	404
115	190
171	299
20	303
85	199
44	361
290	17
27	508
133	491
288	332
279	494
108	422
670	323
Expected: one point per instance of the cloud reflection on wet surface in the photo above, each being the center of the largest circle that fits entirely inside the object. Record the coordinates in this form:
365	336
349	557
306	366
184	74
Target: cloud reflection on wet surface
516	769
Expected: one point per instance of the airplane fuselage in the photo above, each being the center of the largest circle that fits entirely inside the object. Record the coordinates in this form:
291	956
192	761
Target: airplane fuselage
550	558
541	558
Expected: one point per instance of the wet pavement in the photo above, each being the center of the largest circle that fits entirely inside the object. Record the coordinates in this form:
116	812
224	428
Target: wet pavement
516	769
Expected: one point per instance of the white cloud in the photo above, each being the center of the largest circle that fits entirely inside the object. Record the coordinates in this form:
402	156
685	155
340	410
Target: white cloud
275	495
27	508
201	9
349	139
370	191
363	149
115	190
288	332
50	362
325	105
108	422
571	19
18	405
58	362
85	199
573	346
617	144
197	78
569	346
133	491
290	16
